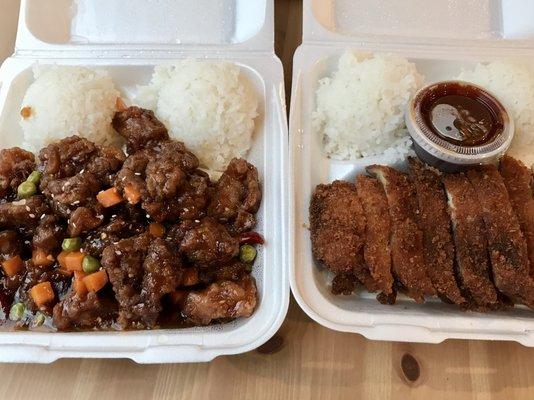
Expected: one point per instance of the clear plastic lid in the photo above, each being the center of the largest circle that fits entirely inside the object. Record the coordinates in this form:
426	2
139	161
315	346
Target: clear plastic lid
508	22
144	24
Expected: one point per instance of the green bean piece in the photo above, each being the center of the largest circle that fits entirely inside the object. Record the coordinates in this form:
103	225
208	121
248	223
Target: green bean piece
247	253
71	244
39	319
90	264
17	312
34	177
26	189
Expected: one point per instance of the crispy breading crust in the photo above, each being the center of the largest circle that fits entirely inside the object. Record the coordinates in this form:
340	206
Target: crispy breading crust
470	240
518	180
406	239
506	243
435	223
376	251
338	230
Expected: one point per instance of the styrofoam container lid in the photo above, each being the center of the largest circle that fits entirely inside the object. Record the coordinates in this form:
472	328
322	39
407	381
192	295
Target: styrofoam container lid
449	22
128	39
145	24
441	37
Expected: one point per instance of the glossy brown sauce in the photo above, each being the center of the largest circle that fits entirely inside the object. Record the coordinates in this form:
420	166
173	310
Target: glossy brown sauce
462	114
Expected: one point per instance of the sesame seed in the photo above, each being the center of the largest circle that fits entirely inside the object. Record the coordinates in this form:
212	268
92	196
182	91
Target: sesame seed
138	173
32	215
42	216
28	208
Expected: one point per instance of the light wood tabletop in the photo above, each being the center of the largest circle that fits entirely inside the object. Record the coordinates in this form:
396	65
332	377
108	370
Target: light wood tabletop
303	361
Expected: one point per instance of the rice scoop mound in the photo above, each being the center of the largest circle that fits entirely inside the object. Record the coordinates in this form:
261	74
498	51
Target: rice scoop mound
513	83
65	101
360	108
209	106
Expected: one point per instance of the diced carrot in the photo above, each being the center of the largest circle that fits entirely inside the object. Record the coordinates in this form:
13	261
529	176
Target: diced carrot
12	266
156	229
189	277
177	297
41	259
96	281
109	197
132	194
42	293
73	260
61	259
120	105
78	284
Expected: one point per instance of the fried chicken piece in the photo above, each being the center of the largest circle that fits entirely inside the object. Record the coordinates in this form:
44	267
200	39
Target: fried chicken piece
139	127
506	244
377	252
338	230
518	181
16	165
221	300
407	247
471	245
237	196
435	223
209	243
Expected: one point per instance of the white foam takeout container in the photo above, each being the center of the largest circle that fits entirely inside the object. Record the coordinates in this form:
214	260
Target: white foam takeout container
440	37
128	40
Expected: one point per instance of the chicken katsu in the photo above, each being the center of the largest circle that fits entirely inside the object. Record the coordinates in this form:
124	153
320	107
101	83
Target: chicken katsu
338	231
506	244
461	236
435	223
518	180
472	262
408	262
93	238
377	253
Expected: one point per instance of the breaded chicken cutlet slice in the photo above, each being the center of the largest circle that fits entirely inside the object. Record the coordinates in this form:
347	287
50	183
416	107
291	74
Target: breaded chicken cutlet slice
435	223
337	227
506	243
518	180
376	251
471	245
406	238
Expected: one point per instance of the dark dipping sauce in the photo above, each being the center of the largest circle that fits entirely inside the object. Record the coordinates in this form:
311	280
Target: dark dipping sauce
462	114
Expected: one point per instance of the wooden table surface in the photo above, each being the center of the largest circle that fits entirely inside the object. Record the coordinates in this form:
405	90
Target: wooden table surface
303	361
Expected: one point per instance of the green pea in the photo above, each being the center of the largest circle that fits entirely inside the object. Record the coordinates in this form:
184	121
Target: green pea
71	244
17	312
26	189
247	253
39	319
34	177
90	264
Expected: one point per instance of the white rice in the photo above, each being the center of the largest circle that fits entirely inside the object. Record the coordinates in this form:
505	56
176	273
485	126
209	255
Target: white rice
210	106
513	83
360	108
68	100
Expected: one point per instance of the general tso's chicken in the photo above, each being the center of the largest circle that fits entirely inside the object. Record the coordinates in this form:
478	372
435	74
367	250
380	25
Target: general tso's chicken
16	165
435	222
139	127
338	230
221	300
471	244
209	242
141	270
237	196
377	252
407	247
518	180
506	244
